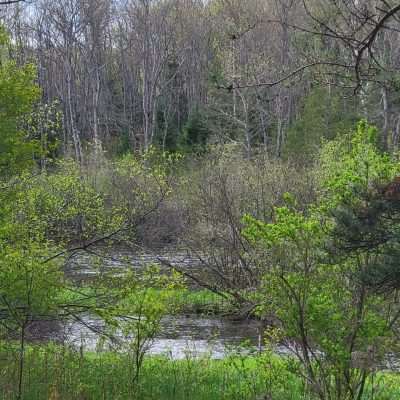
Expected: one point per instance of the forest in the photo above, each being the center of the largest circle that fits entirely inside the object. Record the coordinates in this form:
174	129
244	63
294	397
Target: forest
199	199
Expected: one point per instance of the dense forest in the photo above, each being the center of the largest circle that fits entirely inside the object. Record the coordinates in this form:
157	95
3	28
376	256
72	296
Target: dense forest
200	199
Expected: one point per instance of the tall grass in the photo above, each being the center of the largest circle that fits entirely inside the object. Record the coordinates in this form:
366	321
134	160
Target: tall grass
55	372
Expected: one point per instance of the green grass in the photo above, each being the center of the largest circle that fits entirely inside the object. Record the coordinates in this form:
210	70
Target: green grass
202	302
58	373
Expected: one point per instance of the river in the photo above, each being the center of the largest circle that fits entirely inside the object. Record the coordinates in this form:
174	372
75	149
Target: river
178	337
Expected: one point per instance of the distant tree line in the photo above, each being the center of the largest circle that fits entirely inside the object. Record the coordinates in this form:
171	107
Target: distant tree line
272	74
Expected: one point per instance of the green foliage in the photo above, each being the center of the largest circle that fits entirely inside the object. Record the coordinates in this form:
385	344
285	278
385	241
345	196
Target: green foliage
45	214
324	311
48	216
354	186
18	92
41	215
54	208
139	303
29	288
4	39
121	145
57	372
352	164
195	133
203	302
324	115
136	186
339	328
44	126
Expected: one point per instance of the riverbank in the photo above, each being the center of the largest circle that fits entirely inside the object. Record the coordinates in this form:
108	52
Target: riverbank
182	300
56	373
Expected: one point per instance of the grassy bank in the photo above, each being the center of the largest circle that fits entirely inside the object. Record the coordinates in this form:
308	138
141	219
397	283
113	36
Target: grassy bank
201	302
182	300
56	373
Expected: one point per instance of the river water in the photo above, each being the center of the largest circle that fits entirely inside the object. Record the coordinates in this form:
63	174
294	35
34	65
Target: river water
84	265
179	336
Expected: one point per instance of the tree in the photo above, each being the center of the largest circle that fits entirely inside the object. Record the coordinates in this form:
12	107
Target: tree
332	323
367	214
39	216
324	114
18	92
45	219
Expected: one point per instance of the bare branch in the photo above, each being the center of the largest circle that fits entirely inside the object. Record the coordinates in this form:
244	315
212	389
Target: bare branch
286	77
